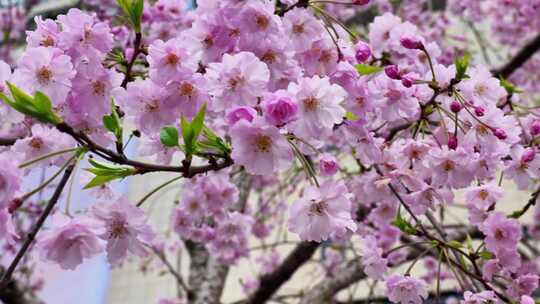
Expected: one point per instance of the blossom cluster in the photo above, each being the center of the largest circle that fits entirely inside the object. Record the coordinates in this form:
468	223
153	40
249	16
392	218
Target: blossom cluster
280	117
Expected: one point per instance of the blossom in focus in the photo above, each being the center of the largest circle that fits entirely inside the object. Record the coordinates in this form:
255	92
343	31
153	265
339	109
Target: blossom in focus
260	147
70	241
237	80
406	289
126	230
322	213
46	70
501	232
319	106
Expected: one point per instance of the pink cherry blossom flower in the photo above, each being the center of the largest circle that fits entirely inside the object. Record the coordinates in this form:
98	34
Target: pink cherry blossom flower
169	60
479	298
44	140
449	167
46	70
501	232
482	197
10	179
7	230
186	96
375	266
279	108
70	241
126	230
83	33
231	239
328	165
237	80
144	102
302	27
526	300
406	289
320	106
235	114
322	212
45	34
260	147
92	91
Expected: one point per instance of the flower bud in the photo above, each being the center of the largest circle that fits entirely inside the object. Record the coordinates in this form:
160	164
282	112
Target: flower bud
452	142
392	71
237	113
411	43
455	106
407	81
535	127
528	155
479	111
279	110
328	165
14	204
499	133
363	51
361	2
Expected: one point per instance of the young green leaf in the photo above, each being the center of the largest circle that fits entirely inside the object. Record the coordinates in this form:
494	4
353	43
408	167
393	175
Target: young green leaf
461	66
38	106
366	69
404	226
105	173
198	122
134	10
169	136
509	87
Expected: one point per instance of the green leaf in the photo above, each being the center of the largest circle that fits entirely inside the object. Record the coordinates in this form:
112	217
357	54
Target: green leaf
366	69
38	106
509	87
191	131
198	122
486	255
403	225
134	10
169	136
113	123
99	180
105	173
187	135
461	66
213	143
455	244
351	116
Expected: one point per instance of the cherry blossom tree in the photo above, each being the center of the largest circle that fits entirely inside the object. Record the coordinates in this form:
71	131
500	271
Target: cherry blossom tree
338	136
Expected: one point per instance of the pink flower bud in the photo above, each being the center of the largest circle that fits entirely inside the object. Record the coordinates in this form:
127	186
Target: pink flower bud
535	127
14	204
455	106
500	134
528	155
452	142
412	43
407	81
279	110
361	2
328	165
479	111
363	51
392	71
237	113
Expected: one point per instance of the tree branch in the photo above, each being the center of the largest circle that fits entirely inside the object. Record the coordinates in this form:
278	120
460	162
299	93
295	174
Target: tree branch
37	226
519	59
271	282
141	167
7	141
